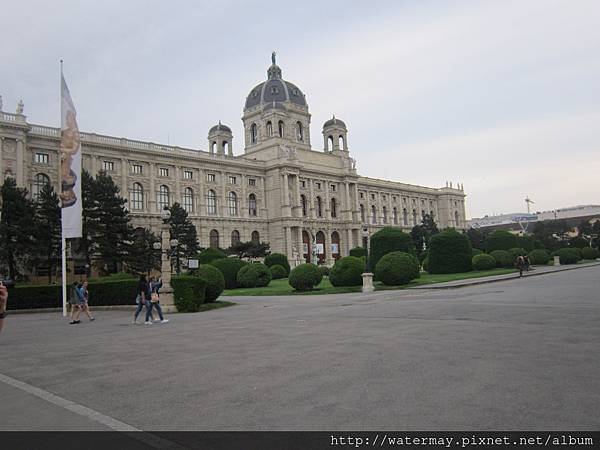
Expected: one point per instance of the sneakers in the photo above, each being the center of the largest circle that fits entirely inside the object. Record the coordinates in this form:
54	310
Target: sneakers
147	322
134	322
74	322
156	320
92	319
164	321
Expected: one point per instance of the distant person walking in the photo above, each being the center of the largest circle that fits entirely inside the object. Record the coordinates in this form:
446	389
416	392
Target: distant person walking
84	300
520	263
73	298
142	299
526	263
155	286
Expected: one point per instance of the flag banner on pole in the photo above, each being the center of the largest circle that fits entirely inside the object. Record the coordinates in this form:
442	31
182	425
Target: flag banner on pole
70	166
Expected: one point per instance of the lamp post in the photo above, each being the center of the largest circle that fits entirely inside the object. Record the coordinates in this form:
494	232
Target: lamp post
367	276
166	291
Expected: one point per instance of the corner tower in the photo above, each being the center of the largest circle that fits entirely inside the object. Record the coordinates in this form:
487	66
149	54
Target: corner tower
276	113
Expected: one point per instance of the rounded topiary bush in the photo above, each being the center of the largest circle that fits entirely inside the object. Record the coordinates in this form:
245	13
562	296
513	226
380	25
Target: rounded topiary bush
209	255
358	252
516	252
538	257
253	275
397	268
324	270
215	282
278	259
450	252
305	277
483	262
502	257
389	240
568	255
500	240
347	272
189	292
590	253
526	242
278	272
476	252
229	267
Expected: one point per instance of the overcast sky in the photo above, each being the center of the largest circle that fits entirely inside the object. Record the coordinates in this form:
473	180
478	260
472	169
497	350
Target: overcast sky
501	96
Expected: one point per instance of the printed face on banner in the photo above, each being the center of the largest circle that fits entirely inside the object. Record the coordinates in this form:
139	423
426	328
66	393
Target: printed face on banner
334	248
320	249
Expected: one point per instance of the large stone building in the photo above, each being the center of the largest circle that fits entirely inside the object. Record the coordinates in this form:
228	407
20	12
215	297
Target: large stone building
280	190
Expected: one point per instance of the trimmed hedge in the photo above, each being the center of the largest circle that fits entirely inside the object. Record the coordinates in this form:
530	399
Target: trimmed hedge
516	252
102	293
526	242
568	255
347	271
229	267
476	252
397	268
325	270
590	253
483	262
305	277
209	255
278	259
538	257
215	282
502	257
278	272
189	292
501	240
389	240
450	252
357	252
254	275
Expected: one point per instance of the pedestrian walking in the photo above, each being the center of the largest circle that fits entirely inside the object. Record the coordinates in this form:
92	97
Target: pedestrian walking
85	297
142	298
526	262
520	263
155	286
73	299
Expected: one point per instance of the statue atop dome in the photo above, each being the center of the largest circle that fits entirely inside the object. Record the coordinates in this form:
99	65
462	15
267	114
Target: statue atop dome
273	54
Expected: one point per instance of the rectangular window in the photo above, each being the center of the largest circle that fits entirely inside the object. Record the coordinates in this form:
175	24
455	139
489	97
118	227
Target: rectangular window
232	180
136	169
251	182
303	183
187	174
362	195
318	185
163	172
210	177
42	158
108	166
372	196
333	187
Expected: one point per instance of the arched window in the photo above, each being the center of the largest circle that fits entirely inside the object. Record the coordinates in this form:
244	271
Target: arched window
280	128
299	132
341	142
225	147
319	207
330	143
384	214
404	217
423	213
321	250
213	147
137	197
235	237
373	214
363	219
414	216
333	208
214	239
269	129
304	206
232	204
395	216
335	245
252	210
211	202
188	199
255	237
163	197
39	181
253	134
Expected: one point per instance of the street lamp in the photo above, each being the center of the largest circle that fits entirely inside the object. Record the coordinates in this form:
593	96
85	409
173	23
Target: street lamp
166	292
367	276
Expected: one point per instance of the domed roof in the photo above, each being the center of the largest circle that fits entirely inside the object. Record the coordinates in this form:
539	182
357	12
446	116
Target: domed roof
334	121
275	89
219	127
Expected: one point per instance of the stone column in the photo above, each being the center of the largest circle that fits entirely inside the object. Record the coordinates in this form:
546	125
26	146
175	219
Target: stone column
201	194
20	163
297	196
327	202
177	184
311	200
356	204
152	196
223	207
327	244
288	242
124	187
244	200
166	292
347	205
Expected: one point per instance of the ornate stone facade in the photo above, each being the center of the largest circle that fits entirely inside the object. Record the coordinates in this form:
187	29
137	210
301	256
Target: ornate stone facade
280	190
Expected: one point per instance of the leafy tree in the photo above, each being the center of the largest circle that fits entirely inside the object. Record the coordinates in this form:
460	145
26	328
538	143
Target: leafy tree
477	238
141	256
48	228
87	244
16	226
184	231
421	234
250	249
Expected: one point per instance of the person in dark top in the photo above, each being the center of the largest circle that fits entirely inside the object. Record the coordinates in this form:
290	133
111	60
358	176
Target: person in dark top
142	298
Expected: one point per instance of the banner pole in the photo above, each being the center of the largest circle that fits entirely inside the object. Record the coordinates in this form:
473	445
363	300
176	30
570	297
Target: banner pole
64	277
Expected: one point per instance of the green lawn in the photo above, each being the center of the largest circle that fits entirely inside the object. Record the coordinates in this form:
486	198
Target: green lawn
282	287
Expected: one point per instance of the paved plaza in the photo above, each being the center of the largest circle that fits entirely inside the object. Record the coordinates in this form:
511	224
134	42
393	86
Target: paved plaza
518	354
